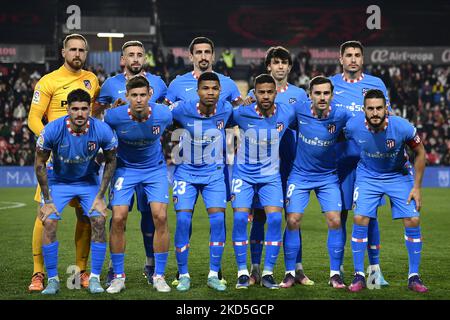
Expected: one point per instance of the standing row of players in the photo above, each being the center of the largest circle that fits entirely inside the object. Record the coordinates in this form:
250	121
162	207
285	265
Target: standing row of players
203	102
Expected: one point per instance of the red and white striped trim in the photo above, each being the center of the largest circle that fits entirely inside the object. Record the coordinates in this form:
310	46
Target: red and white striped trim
77	134
217	244
182	249
284	89
359	240
273	243
413	239
261	115
256	241
140	120
240	243
193	74
374	247
206	115
351	80
386	122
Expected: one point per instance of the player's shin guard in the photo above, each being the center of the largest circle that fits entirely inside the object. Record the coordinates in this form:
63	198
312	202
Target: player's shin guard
98	253
118	260
38	259
291	246
82	243
182	234
335	247
273	240
160	263
216	240
50	253
413	241
148	231
239	237
256	241
359	244
373	248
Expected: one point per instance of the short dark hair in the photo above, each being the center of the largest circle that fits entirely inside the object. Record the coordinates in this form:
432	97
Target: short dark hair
264	78
132	43
208	76
75	36
351	44
374	94
199	40
320	80
78	95
137	82
277	52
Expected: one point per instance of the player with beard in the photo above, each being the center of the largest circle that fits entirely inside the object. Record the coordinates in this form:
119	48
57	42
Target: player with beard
50	101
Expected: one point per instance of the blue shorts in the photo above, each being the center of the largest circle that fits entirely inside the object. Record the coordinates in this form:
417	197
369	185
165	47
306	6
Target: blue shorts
154	184
299	188
369	191
243	192
213	191
62	193
347	178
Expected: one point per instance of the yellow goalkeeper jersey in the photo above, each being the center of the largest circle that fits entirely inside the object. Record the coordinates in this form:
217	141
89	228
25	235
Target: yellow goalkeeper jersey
50	95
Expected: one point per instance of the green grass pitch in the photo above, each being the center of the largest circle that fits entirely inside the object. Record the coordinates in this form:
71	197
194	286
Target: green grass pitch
16	225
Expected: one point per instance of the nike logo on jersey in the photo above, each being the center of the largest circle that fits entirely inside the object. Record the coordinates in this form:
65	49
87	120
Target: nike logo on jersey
337	251
302	122
167	197
416	252
189	89
121	91
64	146
190	124
66	87
339	92
356	251
361	141
123	132
251	125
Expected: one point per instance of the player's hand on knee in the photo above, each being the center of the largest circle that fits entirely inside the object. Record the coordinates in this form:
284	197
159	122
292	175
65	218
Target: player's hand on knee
415	194
46	210
100	206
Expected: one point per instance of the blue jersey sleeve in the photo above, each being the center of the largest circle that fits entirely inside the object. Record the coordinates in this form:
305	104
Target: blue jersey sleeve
177	110
234	92
163	90
172	92
46	139
108	139
105	96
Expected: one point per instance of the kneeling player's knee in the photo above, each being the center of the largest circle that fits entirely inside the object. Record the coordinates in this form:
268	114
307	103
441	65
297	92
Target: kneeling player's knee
361	220
334	221
160	218
119	221
412	222
293	222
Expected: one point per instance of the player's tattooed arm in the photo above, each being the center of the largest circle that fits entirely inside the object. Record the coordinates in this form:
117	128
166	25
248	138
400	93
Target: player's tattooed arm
99	204
40	168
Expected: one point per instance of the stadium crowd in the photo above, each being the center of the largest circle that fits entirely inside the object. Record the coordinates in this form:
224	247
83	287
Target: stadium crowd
419	93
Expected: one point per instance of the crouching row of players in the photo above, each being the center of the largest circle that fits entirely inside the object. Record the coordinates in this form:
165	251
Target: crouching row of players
134	131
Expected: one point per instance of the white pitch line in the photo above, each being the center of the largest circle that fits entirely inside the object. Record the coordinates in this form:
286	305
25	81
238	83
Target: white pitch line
11	205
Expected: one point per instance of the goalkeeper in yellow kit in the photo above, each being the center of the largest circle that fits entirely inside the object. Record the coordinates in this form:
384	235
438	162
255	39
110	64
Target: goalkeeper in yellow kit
50	102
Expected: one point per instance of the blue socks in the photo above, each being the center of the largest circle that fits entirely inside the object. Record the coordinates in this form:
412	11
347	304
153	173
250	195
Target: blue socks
335	247
98	253
160	263
344	236
216	240
291	244
148	231
256	241
413	242
273	240
118	262
373	249
182	234
299	253
50	254
359	246
239	237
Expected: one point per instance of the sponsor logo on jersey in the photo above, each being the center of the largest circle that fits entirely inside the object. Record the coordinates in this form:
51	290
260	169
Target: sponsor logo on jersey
220	124
36	96
92	145
87	84
331	128
40	141
156	129
390	143
280	126
364	91
292	100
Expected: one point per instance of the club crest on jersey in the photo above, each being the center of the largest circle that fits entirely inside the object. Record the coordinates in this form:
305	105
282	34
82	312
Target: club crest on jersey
280	126
390	143
92	145
219	124
87	84
292	100
156	129
331	128
364	91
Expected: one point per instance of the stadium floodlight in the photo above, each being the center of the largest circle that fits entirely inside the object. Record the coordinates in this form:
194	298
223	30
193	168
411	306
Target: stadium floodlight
110	35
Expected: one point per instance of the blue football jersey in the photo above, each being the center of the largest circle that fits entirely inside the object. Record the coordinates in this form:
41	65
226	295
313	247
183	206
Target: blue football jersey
139	142
74	154
288	95
258	155
184	88
383	153
316	143
201	149
115	87
350	95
